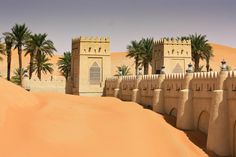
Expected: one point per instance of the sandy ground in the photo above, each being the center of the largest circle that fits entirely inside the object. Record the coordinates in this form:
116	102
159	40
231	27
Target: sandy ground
57	125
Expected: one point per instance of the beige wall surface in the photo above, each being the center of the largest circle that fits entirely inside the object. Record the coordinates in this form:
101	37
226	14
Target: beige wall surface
174	55
54	84
203	101
89	53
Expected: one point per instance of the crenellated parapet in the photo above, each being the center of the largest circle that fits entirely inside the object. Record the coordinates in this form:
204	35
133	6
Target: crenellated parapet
127	85
174	82
204	82
91	46
111	84
91	39
166	41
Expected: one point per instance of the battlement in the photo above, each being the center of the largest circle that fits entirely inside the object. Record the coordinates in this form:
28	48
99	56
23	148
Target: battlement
231	74
91	39
166	41
175	76
112	79
205	75
129	78
150	77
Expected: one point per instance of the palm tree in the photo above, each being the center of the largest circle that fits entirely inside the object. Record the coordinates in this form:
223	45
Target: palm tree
183	38
146	56
36	46
208	54
134	51
20	34
64	64
199	43
9	44
123	70
17	74
42	64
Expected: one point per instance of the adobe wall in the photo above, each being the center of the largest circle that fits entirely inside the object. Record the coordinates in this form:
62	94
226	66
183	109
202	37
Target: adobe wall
91	65
203	101
175	55
55	84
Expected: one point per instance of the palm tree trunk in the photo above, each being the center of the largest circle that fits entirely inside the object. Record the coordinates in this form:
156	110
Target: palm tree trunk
38	65
31	66
207	65
39	73
146	68
196	66
8	64
20	62
136	65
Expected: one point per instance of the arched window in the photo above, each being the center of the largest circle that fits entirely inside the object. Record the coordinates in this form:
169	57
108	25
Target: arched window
94	72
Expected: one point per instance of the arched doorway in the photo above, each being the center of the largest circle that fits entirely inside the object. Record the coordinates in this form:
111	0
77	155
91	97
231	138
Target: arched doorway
173	112
203	122
172	117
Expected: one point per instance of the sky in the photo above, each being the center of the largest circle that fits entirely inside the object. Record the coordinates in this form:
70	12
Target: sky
122	20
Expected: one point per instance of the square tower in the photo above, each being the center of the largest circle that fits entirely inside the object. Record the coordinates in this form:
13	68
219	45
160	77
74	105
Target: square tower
174	55
90	65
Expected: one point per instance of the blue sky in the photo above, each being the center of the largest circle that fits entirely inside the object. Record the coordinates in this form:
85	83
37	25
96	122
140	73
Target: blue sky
122	20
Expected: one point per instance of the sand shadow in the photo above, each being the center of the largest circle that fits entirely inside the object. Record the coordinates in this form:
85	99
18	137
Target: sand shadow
196	137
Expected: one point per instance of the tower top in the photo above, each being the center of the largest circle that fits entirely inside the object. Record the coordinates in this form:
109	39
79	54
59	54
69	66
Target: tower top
165	41
91	39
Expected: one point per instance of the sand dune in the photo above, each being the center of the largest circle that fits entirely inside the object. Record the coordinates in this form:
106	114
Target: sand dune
57	125
223	52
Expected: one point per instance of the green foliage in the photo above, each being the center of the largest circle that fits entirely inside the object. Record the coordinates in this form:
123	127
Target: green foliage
123	70
9	42
64	64
141	51
36	46
41	64
208	54
146	53
200	50
135	51
19	34
39	43
17	74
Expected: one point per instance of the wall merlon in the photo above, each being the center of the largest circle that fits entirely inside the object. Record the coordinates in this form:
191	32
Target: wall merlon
166	41
91	39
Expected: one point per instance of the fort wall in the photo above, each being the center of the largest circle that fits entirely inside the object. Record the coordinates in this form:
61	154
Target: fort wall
203	101
174	55
54	84
90	65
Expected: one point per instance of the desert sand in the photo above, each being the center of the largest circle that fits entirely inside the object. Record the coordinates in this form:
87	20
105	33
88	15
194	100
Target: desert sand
223	52
58	125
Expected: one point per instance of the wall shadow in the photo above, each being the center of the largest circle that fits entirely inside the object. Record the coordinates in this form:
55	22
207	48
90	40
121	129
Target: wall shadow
197	137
